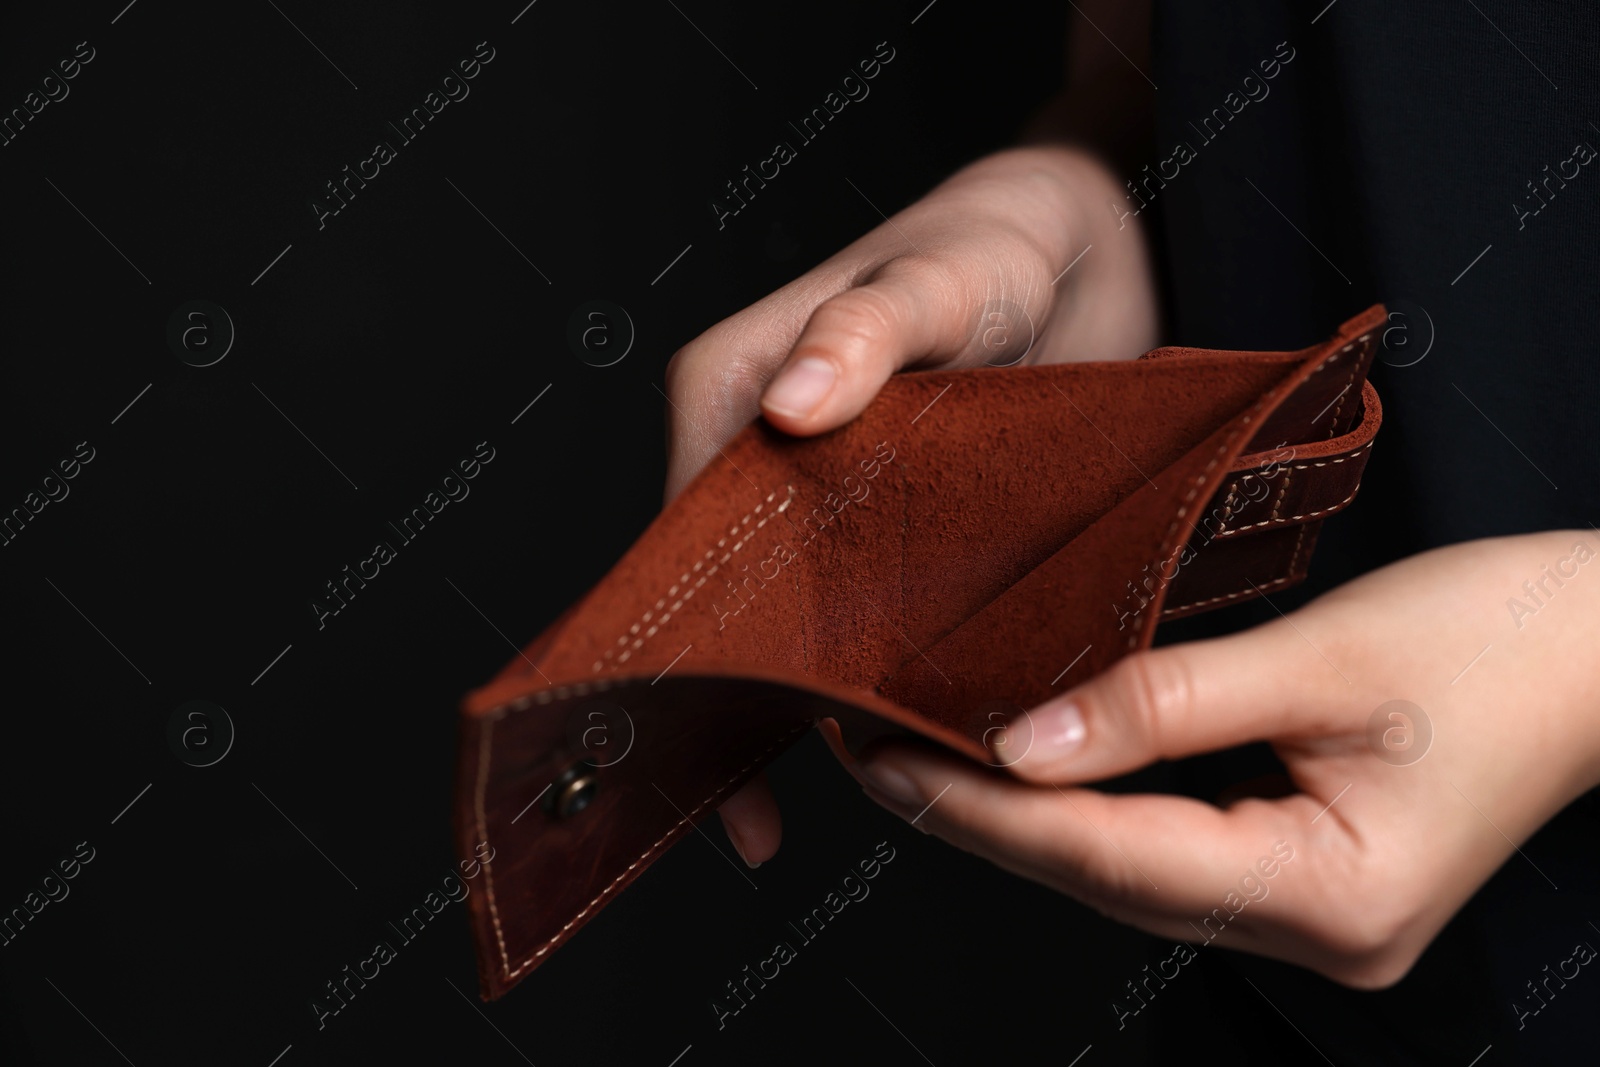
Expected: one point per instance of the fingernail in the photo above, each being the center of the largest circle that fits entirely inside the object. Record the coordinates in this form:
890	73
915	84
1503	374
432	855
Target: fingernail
738	846
1058	729
800	388
891	782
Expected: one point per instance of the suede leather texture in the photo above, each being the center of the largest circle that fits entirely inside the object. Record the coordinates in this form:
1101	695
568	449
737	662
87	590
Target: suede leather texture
932	567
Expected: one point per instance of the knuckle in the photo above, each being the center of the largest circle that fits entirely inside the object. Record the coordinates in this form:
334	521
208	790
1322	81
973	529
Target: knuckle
1369	945
951	284
690	366
1377	970
1117	887
1109	908
1014	267
1373	930
856	323
941	275
706	370
677	371
1154	695
1108	885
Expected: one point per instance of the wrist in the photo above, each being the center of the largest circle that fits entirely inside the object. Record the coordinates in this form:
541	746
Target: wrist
1547	596
1568	584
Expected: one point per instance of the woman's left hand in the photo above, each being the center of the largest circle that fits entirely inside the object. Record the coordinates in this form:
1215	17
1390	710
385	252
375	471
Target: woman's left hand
1397	820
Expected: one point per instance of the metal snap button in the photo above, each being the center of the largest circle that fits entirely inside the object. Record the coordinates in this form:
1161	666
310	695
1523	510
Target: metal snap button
573	791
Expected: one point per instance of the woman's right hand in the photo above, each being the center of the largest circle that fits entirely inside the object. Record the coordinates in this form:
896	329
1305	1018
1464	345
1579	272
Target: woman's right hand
923	290
964	276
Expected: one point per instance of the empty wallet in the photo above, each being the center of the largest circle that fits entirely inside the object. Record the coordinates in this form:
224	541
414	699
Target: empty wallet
976	541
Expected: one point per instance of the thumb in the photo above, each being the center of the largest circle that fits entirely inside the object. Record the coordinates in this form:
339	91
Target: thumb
1179	701
909	311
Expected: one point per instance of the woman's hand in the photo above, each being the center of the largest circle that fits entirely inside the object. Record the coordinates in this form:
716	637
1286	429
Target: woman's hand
1389	833
964	276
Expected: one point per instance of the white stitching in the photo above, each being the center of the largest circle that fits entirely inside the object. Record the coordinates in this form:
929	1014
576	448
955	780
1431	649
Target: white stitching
1325	463
1230	596
1355	365
1133	638
489	871
1295	566
1292	518
639	641
1166	540
1283	492
1310	514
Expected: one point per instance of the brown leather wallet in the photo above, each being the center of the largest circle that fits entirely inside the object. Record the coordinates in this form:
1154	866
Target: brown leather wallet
974	542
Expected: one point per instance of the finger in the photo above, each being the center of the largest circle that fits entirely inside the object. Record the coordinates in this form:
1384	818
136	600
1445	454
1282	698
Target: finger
1269	682
910	311
714	383
834	736
868	311
751	819
1146	859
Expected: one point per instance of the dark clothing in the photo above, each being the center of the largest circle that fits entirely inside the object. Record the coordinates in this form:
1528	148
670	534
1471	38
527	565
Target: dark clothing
1422	156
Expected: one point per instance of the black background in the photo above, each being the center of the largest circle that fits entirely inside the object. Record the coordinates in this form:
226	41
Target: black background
408	329
396	338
